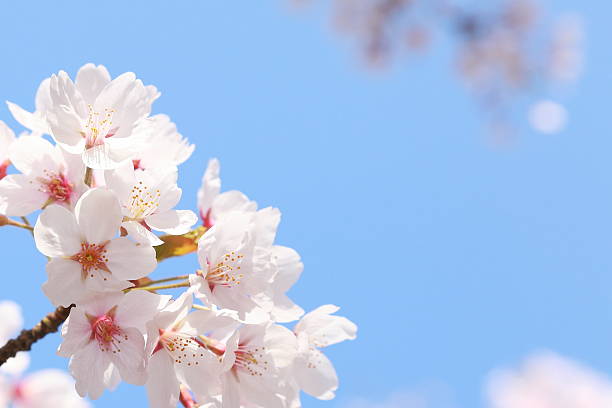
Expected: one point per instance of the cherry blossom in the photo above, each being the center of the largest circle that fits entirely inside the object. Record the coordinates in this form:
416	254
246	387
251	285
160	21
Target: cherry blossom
253	362
50	175
177	353
213	204
104	338
147	199
11	321
313	371
85	255
95	116
164	146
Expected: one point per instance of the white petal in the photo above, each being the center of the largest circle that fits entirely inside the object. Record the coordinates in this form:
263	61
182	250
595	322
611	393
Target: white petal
15	366
33	121
175	222
128	260
324	329
129	356
7	137
56	232
231	201
76	332
20	195
316	375
121	181
141	234
138	307
162	384
91	369
33	155
211	186
175	311
90	81
103	157
64	285
281	343
99	215
49	389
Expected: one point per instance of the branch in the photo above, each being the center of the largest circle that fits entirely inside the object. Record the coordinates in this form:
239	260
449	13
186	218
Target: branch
23	342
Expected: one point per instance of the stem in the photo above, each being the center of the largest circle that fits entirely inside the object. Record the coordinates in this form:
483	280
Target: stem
20	225
153	288
26	222
198	307
181	277
23	342
88	176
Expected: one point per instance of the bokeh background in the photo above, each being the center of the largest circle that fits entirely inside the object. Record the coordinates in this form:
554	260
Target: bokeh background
454	253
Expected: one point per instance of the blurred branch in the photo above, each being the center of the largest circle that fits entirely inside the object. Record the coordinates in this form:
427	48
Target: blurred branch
23	342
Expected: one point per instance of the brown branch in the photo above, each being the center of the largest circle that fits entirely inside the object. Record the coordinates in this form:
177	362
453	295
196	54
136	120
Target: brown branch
23	342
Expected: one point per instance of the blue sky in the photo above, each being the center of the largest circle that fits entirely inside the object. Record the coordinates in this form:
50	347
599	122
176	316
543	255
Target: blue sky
453	256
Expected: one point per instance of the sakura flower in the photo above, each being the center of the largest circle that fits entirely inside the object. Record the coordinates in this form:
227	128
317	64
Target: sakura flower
177	353
165	147
242	270
104	338
213	204
7	137
313	372
96	116
147	198
234	267
85	255
35	121
49	176
46	389
253	361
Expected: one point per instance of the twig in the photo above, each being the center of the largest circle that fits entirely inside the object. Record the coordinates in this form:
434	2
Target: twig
23	342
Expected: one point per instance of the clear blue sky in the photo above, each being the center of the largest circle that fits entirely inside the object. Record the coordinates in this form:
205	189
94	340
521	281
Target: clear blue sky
452	256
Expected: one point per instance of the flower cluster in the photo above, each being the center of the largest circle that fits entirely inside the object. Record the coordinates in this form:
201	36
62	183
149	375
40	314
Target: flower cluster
106	187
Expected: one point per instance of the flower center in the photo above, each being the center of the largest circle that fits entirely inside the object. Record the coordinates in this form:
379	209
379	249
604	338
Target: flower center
184	349
251	360
57	186
226	271
92	257
98	127
144	201
106	332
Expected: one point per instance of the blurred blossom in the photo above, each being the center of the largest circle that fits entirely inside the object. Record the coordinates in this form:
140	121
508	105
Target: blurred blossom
424	396
547	380
547	116
504	49
41	389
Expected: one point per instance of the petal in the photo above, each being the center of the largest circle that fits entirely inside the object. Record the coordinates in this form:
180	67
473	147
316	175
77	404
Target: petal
76	332
33	121
64	285
90	81
231	201
50	389
20	195
175	311
33	155
128	260
103	157
129	357
324	329
138	307
15	366
7	137
162	384
121	181
211	186
92	371
11	318
141	234
99	215
316	375
56	232
281	343
175	222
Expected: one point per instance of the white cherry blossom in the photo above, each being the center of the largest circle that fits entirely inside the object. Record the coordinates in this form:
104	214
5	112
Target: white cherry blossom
11	321
50	175
253	361
147	199
163	145
85	255
177	353
104	338
313	371
95	116
212	204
